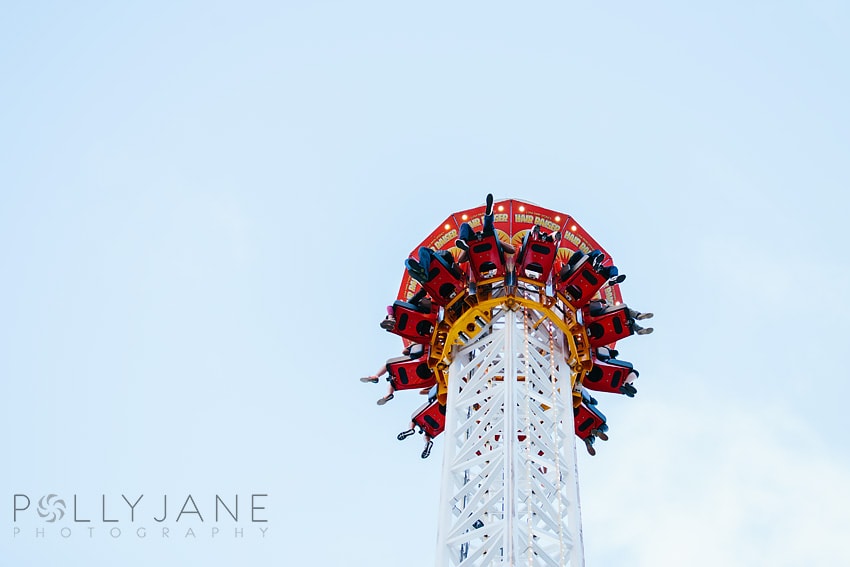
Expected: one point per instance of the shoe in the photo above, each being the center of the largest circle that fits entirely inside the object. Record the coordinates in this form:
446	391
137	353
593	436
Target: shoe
477	524
427	450
462	245
601	434
589	444
405	434
642	316
557	237
372	379
646	331
388	324
416	298
385	399
617	279
414	268
488	211
628	390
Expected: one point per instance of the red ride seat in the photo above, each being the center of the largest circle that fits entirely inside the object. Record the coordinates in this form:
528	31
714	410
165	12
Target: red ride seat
412	324
409	374
610	327
588	419
444	282
608	376
431	418
486	259
582	283
537	257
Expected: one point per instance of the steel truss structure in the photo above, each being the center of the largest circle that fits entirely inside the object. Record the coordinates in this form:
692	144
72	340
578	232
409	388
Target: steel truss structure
510	486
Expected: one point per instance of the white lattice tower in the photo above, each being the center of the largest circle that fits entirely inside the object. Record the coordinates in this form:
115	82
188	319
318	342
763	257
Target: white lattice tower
510	487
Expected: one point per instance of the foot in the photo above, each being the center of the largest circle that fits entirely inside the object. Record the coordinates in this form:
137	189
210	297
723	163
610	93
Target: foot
642	316
372	379
405	434
589	444
385	399
488	211
414	268
617	279
427	450
417	297
556	237
646	331
388	324
462	245
628	390
601	434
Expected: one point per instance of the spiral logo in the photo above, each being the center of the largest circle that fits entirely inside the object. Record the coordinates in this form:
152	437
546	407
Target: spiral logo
51	508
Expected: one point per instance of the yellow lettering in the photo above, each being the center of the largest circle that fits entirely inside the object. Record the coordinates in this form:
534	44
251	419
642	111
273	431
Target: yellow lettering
572	238
576	241
547	224
411	288
447	237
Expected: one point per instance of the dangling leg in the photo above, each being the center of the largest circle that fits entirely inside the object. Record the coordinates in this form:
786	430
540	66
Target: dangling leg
419	269
428	444
489	218
613	275
640	316
640	330
388	397
374	377
389	321
407	433
466	234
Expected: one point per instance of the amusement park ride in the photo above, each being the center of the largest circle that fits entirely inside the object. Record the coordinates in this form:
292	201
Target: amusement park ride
517	310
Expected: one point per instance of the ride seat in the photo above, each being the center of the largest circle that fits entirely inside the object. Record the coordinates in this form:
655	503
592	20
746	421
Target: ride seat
588	419
431	418
409	374
582	283
607	376
486	259
610	327
536	257
413	324
444	281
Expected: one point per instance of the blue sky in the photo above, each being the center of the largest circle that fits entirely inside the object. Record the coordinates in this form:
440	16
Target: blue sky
204	209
